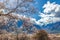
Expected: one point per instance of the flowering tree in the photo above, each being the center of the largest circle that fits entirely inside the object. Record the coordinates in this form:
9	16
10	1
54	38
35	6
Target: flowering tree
12	11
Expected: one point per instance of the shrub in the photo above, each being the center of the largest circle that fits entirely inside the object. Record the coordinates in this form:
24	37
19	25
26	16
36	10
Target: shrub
41	35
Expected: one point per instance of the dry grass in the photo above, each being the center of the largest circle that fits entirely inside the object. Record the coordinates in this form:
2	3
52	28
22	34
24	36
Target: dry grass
39	35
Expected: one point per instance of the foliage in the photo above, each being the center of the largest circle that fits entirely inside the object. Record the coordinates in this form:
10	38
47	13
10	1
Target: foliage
13	11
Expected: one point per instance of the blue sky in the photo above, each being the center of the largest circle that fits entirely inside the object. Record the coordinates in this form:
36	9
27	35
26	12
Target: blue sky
48	15
50	26
47	25
42	2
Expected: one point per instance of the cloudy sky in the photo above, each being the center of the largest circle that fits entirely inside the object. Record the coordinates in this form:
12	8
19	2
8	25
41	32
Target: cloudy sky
48	16
49	12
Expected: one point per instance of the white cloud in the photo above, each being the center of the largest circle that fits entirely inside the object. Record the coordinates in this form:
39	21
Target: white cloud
51	7
46	15
51	14
47	19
